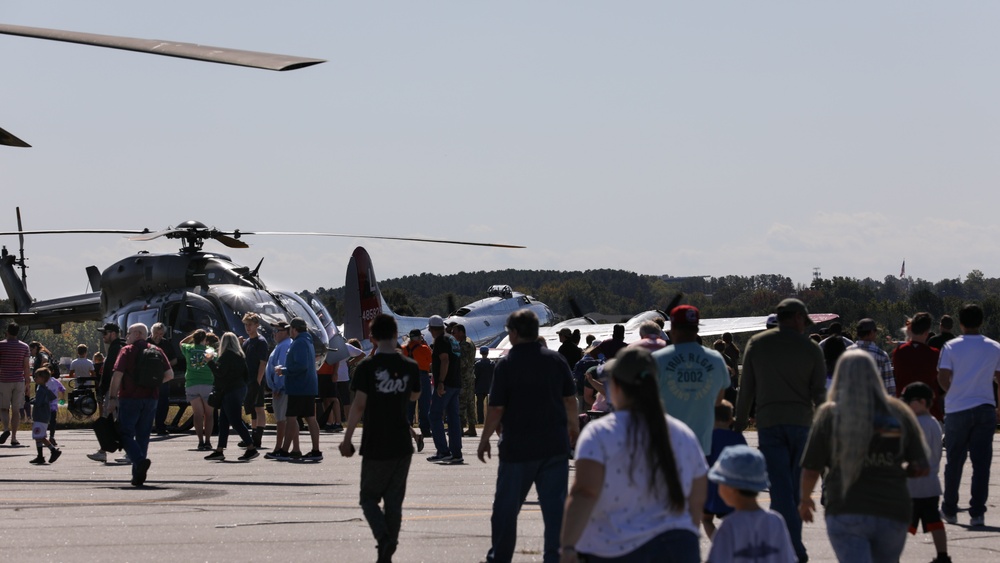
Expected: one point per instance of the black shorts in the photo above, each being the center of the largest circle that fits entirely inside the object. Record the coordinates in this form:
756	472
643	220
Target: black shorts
344	392
254	398
327	387
926	510
301	405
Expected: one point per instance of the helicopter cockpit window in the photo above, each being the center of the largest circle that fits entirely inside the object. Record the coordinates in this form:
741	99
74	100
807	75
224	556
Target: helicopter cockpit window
147	317
461	312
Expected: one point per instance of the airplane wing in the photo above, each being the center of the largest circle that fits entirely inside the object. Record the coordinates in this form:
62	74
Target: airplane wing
51	314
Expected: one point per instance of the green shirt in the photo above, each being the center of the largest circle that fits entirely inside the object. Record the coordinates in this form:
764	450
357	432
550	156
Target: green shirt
196	371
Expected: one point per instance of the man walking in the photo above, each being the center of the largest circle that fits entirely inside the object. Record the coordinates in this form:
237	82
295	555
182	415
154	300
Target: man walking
867	332
467	398
15	375
446	370
110	334
255	349
420	352
157	332
135	403
385	384
785	373
915	361
966	370
534	398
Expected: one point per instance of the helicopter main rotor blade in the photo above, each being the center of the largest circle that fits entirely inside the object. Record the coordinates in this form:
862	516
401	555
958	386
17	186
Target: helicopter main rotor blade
8	138
74	232
253	59
229	241
436	241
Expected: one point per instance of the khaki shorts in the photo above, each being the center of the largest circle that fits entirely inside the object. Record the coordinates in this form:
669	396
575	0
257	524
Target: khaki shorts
279	405
11	395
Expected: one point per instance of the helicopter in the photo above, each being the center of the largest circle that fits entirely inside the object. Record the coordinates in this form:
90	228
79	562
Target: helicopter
205	53
187	290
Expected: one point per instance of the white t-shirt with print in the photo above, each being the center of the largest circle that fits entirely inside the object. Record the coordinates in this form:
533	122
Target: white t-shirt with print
628	514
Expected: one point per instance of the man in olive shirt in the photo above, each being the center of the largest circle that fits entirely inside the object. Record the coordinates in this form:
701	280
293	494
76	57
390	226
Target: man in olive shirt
785	373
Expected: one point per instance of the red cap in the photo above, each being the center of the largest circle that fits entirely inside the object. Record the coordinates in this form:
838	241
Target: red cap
684	316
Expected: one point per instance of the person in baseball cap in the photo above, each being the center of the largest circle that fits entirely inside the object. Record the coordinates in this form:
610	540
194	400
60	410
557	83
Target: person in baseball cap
435	321
685	316
109	327
792	306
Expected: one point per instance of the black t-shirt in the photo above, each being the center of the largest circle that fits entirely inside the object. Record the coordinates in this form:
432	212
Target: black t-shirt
446	344
531	383
484	375
387	380
256	352
571	352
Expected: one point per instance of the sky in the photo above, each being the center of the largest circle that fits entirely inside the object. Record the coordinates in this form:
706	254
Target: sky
707	138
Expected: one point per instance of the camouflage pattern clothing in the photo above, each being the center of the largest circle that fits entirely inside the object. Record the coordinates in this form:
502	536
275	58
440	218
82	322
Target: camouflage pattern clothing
467	399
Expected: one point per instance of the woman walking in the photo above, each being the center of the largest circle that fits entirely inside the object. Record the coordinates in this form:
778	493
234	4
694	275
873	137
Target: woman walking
870	443
640	481
231	382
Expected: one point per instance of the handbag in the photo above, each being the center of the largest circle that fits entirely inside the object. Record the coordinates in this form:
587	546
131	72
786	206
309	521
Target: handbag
215	399
106	430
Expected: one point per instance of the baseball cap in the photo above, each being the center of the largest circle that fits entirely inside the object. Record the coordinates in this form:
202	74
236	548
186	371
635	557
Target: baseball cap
740	467
772	321
110	327
631	365
415	333
684	316
792	305
280	325
435	321
299	324
484	350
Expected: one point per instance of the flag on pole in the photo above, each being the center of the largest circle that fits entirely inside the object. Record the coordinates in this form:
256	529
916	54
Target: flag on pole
902	269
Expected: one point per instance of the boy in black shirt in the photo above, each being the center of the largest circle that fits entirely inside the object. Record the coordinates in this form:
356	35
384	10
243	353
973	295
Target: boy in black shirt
40	417
384	384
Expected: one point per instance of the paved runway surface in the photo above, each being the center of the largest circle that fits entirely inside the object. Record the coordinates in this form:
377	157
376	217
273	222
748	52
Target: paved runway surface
195	510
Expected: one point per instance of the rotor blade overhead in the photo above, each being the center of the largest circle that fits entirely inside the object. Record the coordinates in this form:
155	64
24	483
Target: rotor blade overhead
253	59
230	241
436	241
7	138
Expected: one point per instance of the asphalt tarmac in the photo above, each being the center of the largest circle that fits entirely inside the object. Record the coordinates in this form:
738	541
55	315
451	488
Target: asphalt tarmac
196	510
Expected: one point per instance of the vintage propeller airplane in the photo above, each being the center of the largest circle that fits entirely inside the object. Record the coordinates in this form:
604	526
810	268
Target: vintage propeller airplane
192	288
484	320
206	53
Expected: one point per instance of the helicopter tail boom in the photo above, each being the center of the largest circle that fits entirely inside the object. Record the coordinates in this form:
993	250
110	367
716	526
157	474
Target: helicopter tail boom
16	291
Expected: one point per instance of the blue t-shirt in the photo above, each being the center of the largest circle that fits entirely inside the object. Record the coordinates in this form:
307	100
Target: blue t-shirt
691	377
721	439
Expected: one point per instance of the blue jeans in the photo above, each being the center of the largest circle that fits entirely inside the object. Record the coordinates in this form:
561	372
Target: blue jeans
968	432
422	405
672	546
231	413
135	423
860	538
446	404
514	479
782	446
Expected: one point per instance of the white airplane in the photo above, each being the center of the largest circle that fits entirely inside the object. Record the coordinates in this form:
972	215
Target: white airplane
706	328
484	320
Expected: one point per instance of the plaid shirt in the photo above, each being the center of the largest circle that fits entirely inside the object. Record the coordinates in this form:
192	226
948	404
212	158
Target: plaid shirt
883	362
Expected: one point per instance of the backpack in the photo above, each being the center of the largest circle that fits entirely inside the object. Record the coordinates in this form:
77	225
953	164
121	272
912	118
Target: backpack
52	364
149	368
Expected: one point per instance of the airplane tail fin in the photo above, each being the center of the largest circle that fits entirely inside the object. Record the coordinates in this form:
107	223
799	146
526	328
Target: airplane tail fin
362	298
16	291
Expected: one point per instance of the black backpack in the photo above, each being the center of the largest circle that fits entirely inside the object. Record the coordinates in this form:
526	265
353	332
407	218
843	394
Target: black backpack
53	365
149	368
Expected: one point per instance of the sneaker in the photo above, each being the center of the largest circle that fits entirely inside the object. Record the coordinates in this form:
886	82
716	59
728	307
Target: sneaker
249	454
99	455
470	433
208	446
216	456
328	427
314	455
162	432
38	461
977	521
15	444
942	558
439	458
949	518
123	460
54	455
420	443
243	444
454	461
338	428
290	456
4	436
139	477
276	454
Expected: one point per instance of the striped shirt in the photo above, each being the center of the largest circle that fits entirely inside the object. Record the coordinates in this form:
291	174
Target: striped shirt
12	355
883	362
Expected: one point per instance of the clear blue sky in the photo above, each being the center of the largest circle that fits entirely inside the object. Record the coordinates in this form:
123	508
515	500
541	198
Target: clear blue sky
689	138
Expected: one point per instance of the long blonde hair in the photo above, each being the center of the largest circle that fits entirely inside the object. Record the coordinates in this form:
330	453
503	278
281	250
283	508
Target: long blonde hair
230	342
856	395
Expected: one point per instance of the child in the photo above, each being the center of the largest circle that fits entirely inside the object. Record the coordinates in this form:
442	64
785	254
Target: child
40	417
58	390
722	437
926	491
741	474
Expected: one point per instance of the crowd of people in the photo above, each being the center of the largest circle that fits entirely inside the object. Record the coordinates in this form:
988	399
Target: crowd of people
655	427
